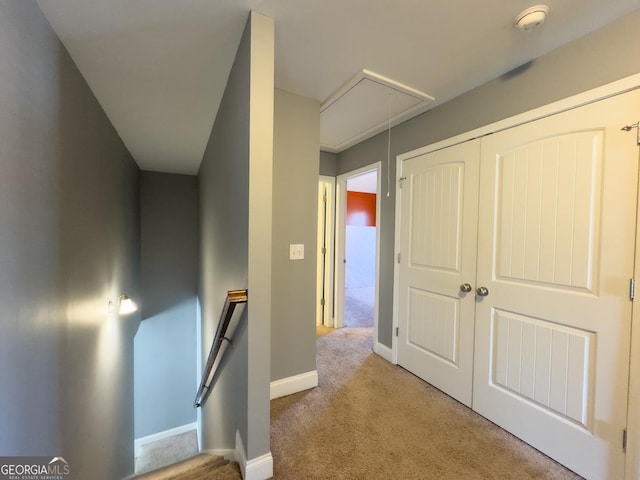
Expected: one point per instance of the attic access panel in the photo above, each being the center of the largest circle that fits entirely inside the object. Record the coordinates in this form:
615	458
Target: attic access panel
363	108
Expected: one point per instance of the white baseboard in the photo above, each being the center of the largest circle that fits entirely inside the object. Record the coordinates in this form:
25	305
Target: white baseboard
260	468
139	442
295	384
384	351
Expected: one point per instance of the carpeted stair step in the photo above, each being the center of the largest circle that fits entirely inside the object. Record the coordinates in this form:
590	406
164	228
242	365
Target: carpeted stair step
200	467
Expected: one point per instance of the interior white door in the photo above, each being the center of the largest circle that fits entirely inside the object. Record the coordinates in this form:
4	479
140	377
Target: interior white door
324	292
556	242
438	254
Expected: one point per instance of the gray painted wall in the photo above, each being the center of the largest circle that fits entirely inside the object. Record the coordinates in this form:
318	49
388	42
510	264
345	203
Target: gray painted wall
224	231
235	244
601	57
165	353
69	243
328	164
295	185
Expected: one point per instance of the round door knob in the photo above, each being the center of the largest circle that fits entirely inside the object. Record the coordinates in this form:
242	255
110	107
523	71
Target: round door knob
482	291
465	287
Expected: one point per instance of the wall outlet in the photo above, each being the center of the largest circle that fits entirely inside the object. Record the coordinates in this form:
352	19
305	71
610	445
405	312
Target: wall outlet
296	252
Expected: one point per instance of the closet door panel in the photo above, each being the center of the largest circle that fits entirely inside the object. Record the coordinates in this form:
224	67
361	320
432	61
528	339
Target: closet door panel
556	251
438	254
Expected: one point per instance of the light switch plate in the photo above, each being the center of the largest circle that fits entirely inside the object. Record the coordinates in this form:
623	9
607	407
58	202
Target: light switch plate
296	252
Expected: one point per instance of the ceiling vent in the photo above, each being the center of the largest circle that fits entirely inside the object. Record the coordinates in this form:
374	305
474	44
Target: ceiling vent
365	106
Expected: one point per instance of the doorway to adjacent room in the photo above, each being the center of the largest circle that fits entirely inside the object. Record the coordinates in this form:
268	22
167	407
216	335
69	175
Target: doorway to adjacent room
357	243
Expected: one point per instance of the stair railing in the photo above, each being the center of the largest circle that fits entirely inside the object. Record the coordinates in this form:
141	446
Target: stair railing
234	297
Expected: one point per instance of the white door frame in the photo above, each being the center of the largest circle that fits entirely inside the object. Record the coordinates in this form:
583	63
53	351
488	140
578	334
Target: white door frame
341	217
326	316
632	470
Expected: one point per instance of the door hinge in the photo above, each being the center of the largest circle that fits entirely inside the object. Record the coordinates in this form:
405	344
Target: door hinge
324	250
398	257
624	440
632	288
397	331
322	302
401	181
324	198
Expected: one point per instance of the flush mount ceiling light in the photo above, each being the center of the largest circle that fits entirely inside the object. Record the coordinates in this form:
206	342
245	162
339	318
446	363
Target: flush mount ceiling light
531	18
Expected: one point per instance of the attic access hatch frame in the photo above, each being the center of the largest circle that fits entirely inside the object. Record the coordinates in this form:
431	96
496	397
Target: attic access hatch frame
366	105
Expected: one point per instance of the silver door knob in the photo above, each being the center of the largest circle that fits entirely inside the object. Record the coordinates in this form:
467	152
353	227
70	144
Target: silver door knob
482	291
465	287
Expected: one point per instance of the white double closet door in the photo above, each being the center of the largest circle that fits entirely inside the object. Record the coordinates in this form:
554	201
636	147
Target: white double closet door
542	217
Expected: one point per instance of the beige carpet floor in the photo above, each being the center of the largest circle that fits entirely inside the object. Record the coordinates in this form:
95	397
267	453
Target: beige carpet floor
358	307
369	419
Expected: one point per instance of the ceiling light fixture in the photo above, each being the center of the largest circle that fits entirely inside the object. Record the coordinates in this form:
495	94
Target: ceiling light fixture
531	18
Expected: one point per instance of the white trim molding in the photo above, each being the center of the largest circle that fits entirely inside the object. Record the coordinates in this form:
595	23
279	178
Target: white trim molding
294	384
384	351
259	468
142	441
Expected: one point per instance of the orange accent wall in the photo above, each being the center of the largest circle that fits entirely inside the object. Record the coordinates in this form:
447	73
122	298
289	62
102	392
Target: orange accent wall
361	209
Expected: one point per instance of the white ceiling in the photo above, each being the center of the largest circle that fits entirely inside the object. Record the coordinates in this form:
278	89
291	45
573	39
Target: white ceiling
159	67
